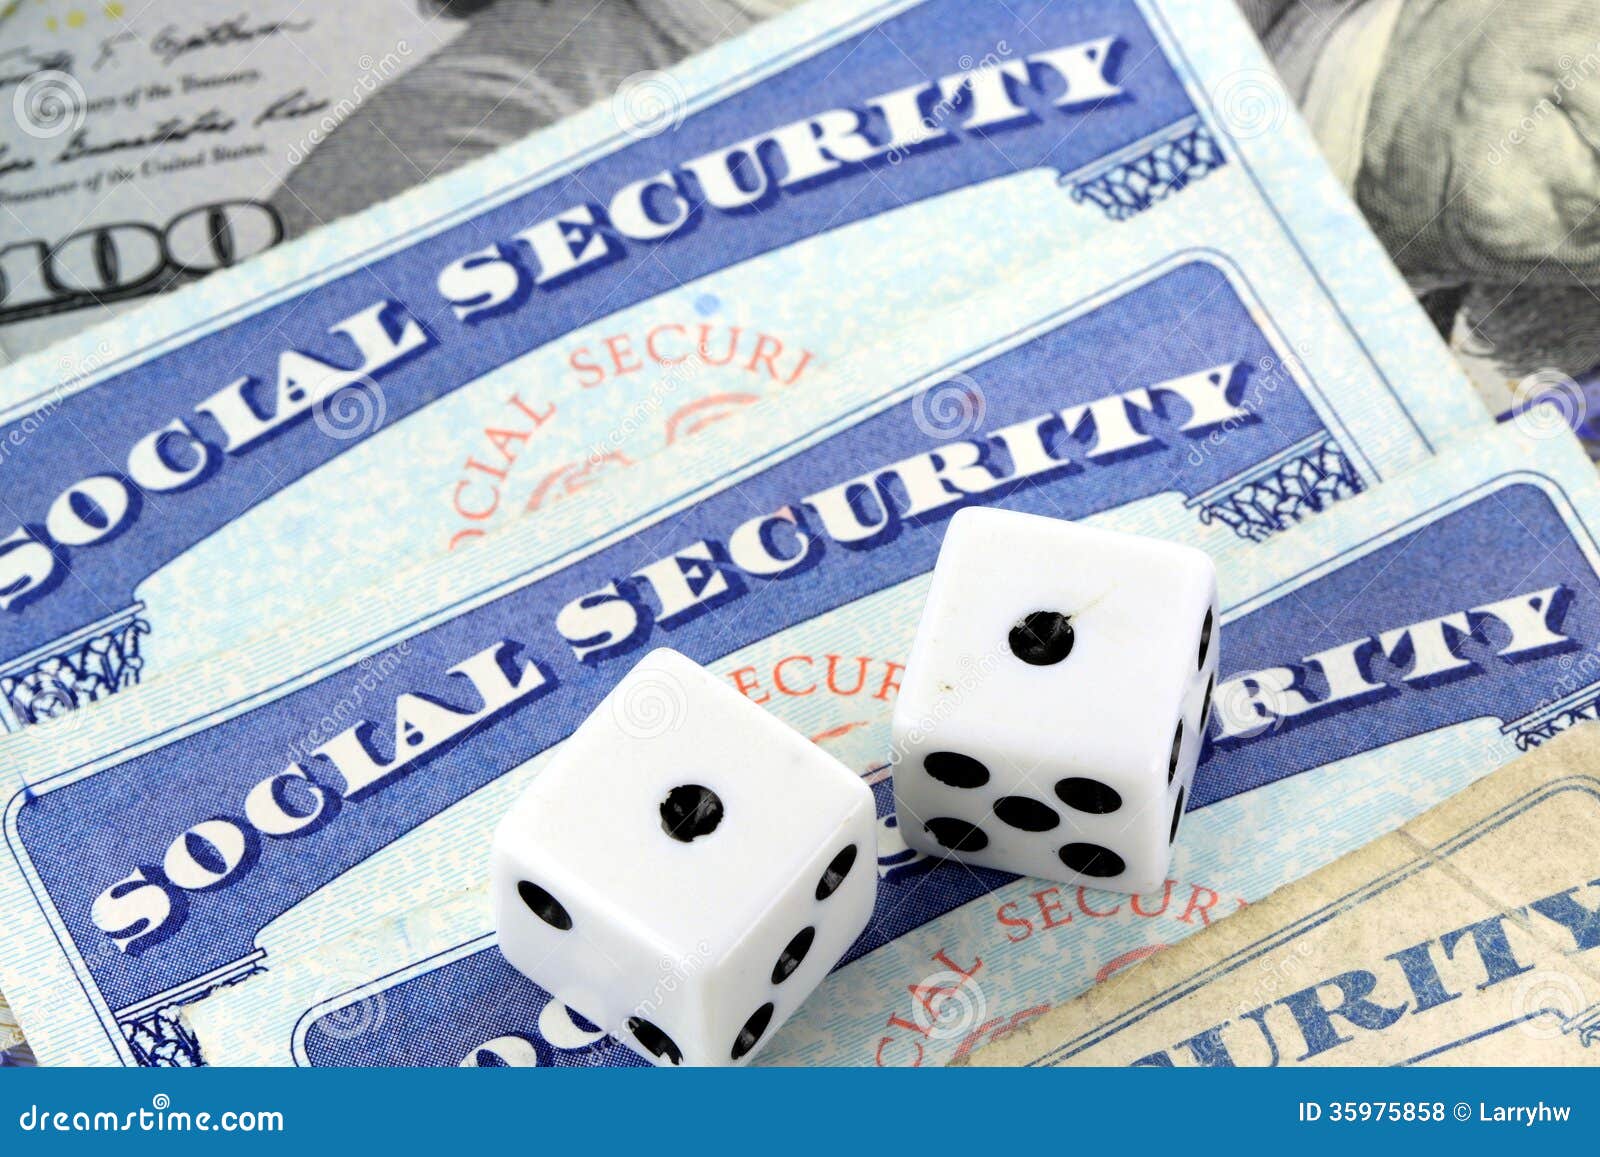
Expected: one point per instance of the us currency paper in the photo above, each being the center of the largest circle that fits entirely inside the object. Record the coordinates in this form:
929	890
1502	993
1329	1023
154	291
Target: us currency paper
1177	380
159	142
1466	133
1471	936
1377	659
145	141
602	291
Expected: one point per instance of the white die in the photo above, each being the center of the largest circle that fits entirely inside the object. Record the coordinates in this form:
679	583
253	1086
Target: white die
691	948
1072	768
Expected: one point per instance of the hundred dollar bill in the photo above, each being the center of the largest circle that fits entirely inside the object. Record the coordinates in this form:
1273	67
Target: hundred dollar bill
159	142
1376	660
603	290
1173	396
1470	936
144	141
1468	142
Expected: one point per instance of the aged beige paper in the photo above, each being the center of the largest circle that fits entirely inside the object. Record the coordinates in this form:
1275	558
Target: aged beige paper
1470	936
10	1030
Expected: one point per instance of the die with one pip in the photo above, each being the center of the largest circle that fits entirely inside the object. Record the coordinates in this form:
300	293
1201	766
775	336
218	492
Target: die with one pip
686	869
1055	700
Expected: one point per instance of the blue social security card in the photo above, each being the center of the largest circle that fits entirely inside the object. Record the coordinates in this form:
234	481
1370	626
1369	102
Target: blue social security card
399	384
1374	662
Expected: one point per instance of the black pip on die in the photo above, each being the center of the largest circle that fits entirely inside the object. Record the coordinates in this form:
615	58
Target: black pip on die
686	869
1055	700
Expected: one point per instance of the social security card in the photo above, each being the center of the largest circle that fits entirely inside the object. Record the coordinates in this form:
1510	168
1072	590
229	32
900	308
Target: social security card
1376	661
393	387
154	856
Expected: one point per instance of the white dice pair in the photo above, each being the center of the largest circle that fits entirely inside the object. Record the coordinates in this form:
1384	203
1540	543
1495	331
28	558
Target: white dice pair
1055	700
687	868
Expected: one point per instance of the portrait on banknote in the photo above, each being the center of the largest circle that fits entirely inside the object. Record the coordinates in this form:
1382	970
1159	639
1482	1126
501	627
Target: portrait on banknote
1467	134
